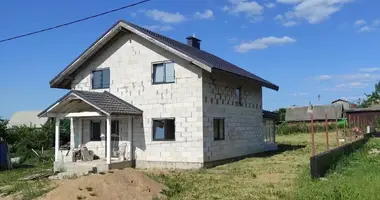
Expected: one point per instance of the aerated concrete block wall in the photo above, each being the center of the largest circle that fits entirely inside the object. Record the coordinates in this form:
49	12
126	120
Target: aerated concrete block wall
244	131
130	61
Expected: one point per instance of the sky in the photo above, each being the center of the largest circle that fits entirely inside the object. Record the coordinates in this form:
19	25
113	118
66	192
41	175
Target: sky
310	48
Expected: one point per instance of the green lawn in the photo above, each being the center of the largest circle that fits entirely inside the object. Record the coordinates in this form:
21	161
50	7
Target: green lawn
12	188
280	175
266	176
355	177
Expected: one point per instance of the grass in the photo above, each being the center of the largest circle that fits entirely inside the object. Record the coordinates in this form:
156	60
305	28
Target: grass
265	176
10	185
355	177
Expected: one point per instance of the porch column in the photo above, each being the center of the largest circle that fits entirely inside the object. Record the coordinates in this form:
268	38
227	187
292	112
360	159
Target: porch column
72	134
130	137
80	136
108	138
57	135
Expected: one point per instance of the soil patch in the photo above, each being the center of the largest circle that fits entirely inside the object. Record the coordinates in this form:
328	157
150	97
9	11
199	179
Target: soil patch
119	184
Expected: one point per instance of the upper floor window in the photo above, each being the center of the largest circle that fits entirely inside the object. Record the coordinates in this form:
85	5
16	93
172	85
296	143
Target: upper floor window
101	79
163	73
238	96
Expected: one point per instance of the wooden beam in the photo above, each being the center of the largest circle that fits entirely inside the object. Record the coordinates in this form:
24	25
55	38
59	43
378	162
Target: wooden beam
84	114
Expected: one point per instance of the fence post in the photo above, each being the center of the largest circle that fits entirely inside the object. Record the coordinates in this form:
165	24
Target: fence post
327	132
337	132
312	137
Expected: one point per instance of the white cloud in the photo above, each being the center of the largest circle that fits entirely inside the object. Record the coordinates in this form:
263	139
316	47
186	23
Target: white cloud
165	17
207	14
133	14
360	22
376	22
365	29
313	11
323	77
370	69
270	5
263	43
300	94
363	26
352	85
347	86
284	21
250	8
159	27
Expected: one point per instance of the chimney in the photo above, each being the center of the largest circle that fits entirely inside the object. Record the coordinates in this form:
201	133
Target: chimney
194	42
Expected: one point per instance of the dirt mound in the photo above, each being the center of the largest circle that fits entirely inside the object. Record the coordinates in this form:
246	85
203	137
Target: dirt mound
119	184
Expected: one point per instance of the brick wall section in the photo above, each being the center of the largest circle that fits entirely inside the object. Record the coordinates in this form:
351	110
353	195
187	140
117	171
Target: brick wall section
244	131
130	61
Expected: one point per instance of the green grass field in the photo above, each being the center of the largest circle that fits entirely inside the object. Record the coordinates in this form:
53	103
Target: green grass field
13	188
355	177
283	174
280	175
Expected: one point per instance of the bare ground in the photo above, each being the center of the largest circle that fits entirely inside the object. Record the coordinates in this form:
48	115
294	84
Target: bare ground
119	184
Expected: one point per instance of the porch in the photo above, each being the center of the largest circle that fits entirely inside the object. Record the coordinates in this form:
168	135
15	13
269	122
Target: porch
101	131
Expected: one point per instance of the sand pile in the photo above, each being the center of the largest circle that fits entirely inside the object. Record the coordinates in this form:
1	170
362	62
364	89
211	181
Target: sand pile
119	184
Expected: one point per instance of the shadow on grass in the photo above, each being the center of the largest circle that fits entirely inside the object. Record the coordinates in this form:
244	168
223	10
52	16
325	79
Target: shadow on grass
281	148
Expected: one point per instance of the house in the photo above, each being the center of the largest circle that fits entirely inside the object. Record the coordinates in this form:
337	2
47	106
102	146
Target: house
27	118
168	104
346	104
299	114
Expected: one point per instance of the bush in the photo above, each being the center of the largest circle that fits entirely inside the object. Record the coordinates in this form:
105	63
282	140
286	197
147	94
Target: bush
23	139
304	127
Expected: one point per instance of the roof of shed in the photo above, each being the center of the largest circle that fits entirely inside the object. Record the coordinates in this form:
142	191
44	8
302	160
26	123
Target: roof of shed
300	113
374	108
201	56
28	118
105	102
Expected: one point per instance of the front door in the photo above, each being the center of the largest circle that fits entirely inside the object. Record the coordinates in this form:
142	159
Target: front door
114	138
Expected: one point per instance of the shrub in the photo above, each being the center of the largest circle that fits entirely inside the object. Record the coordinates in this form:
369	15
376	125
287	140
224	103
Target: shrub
304	127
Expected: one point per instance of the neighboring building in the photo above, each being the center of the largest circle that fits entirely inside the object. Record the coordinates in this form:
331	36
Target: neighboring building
346	104
173	105
359	115
299	114
27	118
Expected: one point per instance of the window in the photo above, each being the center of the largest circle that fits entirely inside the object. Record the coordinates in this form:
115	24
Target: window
101	79
238	96
218	129
95	130
163	73
163	129
115	127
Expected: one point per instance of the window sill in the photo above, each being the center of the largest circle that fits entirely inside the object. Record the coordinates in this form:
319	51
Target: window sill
163	140
161	83
219	139
100	88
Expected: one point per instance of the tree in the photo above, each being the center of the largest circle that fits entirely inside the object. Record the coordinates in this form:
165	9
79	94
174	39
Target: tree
371	99
281	112
3	127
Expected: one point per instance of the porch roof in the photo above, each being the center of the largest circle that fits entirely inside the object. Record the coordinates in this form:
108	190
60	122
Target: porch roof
79	101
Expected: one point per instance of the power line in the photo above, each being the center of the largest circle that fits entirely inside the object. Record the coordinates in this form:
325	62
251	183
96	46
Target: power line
73	22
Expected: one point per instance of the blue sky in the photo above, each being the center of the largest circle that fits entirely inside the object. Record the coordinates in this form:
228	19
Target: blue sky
307	47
